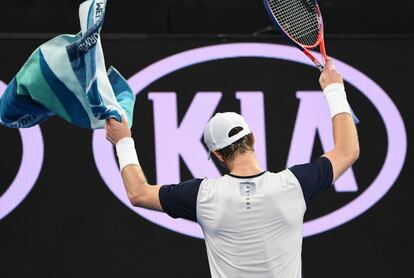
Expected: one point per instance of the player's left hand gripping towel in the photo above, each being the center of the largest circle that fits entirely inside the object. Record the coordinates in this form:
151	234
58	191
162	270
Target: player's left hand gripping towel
67	77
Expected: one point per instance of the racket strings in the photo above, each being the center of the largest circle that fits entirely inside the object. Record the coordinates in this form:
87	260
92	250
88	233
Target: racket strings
298	18
299	21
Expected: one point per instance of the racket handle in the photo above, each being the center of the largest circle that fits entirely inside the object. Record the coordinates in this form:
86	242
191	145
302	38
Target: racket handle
356	120
320	67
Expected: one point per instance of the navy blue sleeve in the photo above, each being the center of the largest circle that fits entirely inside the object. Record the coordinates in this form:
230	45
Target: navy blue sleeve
314	178
180	200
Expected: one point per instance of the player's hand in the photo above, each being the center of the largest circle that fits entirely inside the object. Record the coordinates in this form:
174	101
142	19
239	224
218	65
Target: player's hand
115	130
330	75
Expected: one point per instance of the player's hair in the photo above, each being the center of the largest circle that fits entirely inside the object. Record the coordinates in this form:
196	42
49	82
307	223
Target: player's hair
241	146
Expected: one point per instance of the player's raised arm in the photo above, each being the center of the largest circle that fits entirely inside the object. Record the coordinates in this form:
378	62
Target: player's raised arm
139	192
346	150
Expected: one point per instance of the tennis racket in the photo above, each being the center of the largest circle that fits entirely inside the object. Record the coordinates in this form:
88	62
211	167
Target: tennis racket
301	22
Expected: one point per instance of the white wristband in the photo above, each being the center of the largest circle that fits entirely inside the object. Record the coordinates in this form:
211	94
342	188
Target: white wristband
336	97
127	155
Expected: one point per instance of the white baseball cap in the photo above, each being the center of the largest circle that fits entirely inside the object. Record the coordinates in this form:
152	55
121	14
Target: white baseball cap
216	133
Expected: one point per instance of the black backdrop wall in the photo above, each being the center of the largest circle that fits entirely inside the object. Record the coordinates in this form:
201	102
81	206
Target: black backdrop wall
201	16
72	225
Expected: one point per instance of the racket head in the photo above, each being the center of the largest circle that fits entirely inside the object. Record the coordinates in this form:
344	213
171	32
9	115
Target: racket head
300	20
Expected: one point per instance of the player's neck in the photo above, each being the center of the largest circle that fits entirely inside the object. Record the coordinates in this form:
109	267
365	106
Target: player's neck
245	165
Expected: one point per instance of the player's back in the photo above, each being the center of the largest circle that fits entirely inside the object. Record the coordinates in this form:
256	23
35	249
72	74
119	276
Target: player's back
252	225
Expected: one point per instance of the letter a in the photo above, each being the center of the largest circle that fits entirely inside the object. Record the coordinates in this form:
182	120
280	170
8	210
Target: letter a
313	117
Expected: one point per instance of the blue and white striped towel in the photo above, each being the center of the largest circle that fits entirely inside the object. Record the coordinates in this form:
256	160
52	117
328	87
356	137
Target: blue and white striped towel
67	77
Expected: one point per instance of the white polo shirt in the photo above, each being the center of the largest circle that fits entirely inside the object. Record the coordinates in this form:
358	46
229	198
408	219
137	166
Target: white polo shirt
252	225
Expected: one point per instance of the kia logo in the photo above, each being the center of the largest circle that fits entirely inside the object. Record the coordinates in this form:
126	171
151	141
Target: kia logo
29	170
203	107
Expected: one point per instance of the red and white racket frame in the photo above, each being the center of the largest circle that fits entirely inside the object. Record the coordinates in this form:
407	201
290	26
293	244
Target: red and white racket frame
307	49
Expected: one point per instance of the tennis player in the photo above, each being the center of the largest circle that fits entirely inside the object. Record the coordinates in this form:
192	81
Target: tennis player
252	219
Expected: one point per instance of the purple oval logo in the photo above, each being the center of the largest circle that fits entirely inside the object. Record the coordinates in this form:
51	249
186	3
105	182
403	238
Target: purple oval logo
29	170
397	139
